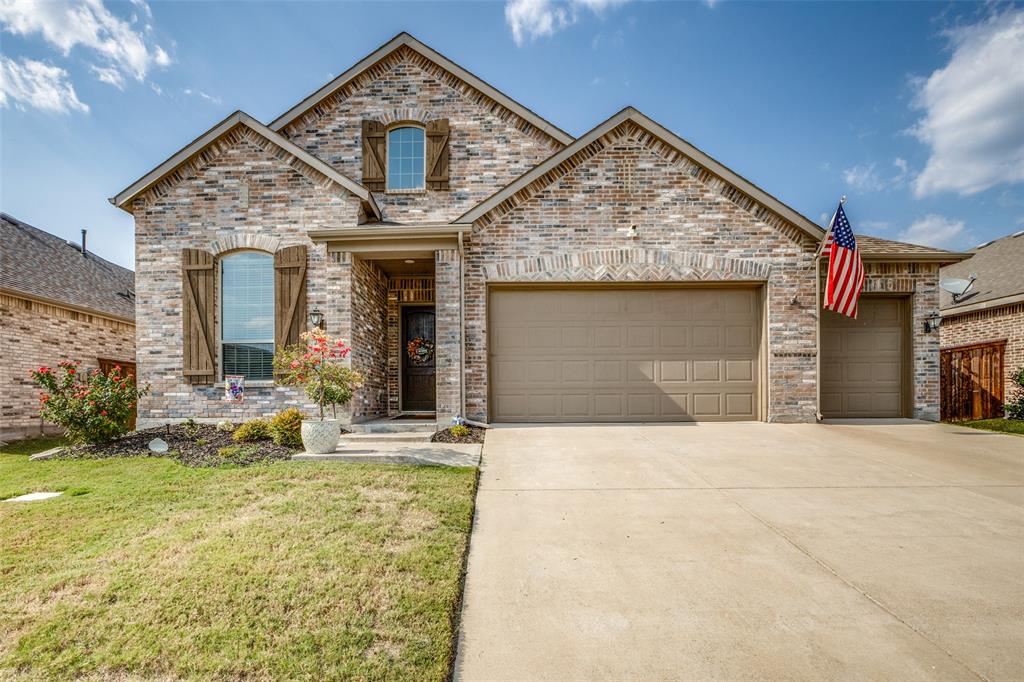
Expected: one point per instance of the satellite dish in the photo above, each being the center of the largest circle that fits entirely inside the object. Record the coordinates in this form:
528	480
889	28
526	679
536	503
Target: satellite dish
957	286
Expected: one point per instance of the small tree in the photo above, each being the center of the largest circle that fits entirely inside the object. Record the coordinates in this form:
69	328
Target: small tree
1014	407
316	365
91	408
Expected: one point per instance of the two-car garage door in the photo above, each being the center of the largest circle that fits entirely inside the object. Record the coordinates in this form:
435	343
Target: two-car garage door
624	354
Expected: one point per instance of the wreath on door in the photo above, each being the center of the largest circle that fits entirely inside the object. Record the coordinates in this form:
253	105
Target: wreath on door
420	350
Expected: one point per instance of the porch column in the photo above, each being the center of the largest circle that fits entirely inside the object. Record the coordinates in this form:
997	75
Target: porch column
336	305
448	334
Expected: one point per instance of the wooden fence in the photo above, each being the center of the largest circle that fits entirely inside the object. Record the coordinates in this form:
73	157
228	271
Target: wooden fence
972	381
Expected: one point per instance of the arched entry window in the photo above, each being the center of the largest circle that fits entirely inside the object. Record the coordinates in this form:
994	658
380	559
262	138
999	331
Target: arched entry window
405	158
247	314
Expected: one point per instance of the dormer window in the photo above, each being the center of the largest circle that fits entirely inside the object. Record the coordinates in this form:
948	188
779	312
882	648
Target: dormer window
406	153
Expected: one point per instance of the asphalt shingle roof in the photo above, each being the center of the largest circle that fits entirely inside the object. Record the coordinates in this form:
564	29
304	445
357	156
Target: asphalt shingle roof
40	264
999	266
876	246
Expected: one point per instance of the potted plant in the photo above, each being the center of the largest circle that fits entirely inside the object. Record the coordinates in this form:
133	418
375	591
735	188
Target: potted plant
316	364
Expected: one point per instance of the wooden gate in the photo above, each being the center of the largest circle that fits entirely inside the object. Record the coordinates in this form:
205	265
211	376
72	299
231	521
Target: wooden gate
972	381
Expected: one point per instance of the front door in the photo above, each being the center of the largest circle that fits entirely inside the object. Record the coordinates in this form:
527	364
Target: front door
417	359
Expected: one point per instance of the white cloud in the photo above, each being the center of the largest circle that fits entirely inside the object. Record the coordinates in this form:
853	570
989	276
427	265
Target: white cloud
863	177
973	119
109	75
199	93
29	83
903	169
67	24
935	230
531	19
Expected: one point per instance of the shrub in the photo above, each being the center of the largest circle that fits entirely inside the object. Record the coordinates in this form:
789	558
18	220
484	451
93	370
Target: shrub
236	453
225	425
1014	407
91	408
252	431
459	430
190	428
286	427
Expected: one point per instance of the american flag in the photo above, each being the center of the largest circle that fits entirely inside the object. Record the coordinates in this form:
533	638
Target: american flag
845	268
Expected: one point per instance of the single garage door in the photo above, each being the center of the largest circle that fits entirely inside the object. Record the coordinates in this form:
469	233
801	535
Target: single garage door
863	360
621	354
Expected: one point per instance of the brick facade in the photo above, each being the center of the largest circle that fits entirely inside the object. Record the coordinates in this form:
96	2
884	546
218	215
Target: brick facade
994	324
488	148
34	334
238	195
576	229
571	224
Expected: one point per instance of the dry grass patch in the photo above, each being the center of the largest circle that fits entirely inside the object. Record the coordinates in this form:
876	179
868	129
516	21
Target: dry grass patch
285	570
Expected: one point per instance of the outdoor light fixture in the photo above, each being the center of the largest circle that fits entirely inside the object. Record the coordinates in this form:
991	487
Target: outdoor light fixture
931	323
316	317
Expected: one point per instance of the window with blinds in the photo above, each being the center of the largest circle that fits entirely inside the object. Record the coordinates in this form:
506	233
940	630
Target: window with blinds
247	315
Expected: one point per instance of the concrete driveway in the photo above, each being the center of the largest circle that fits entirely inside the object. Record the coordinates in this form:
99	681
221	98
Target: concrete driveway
739	551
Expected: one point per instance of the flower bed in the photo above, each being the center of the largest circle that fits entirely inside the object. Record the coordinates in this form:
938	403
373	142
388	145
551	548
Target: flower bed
475	435
196	445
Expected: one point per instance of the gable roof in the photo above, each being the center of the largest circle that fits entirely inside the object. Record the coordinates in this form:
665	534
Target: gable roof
403	39
999	265
44	266
630	114
124	198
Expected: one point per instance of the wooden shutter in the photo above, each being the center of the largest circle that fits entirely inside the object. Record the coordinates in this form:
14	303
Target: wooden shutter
289	295
374	151
199	296
437	154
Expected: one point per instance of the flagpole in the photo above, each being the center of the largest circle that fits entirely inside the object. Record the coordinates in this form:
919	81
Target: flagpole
817	312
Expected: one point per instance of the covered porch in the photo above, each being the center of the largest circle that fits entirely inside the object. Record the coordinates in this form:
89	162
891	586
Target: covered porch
396	293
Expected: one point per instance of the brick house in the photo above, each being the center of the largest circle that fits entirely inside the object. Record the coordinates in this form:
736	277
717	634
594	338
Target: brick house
485	263
988	320
58	301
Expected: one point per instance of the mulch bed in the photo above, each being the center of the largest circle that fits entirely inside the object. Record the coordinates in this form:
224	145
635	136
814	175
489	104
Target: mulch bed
476	435
197	447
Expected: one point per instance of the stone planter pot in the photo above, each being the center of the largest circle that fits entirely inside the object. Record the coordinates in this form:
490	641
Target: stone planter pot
320	437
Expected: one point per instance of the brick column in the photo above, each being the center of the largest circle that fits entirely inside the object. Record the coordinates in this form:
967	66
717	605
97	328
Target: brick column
337	308
448	334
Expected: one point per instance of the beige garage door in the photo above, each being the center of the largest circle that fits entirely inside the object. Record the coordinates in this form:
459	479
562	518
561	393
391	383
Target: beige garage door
602	354
862	360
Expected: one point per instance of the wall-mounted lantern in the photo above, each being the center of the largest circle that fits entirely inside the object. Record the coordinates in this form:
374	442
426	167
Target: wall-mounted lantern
931	323
316	317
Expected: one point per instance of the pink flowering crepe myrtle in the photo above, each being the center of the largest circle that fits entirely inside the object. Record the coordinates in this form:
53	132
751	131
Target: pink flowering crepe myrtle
91	407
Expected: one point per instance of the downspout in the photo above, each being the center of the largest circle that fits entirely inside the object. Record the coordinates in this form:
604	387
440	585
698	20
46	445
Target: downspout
462	328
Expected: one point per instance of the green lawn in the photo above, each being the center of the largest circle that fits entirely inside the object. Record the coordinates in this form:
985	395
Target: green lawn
1002	425
146	568
32	445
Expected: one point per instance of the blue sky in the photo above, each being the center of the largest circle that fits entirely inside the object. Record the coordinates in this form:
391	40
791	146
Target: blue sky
915	111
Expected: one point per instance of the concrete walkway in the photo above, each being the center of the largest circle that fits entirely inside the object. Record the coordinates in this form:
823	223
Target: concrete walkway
740	551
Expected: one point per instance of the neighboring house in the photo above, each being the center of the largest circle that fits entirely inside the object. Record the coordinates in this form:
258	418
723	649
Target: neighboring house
58	301
621	275
983	330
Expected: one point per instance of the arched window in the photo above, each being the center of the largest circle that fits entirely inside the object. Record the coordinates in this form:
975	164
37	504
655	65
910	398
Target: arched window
405	158
247	314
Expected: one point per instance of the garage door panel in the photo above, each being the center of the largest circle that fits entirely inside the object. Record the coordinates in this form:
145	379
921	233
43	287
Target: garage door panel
707	370
627	354
673	370
640	371
863	365
739	405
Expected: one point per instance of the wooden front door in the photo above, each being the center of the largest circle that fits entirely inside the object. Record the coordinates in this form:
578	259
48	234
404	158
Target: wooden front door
418	359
